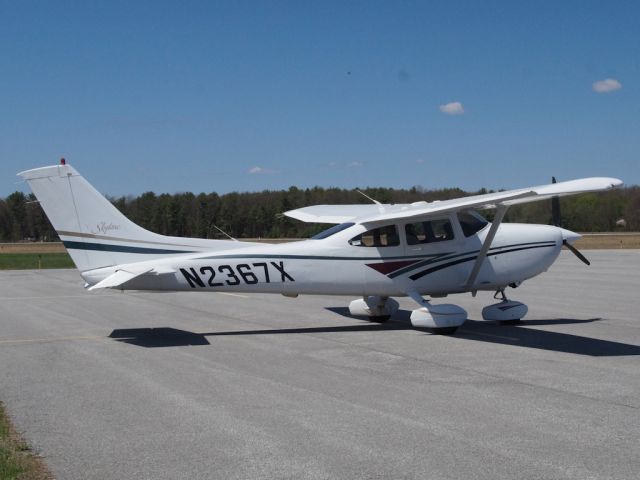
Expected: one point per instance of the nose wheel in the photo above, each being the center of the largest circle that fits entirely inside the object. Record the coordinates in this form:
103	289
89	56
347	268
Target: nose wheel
507	312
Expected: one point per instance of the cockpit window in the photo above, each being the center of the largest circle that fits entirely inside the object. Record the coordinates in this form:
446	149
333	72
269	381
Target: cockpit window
471	222
386	236
429	232
333	230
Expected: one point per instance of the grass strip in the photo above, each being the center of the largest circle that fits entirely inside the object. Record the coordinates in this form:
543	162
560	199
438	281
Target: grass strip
24	261
17	461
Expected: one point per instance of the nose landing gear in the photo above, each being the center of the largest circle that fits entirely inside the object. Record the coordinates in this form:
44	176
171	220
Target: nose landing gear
507	312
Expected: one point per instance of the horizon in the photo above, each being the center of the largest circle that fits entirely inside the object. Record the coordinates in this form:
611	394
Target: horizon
354	189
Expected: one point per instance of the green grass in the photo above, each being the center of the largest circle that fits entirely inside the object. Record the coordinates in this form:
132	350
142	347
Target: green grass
24	261
17	461
9	468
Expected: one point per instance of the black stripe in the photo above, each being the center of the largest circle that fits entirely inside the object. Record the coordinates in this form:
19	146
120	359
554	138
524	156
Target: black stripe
378	258
103	247
429	258
313	257
421	274
448	256
415	266
523	244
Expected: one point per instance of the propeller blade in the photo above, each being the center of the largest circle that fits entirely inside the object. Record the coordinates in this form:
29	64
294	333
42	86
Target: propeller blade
576	252
556	217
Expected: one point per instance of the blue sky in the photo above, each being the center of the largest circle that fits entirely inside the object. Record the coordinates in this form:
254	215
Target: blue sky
222	96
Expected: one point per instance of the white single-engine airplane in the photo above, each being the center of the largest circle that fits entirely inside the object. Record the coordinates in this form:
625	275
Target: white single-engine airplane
375	251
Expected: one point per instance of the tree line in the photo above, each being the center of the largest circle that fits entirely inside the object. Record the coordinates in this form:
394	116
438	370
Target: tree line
259	214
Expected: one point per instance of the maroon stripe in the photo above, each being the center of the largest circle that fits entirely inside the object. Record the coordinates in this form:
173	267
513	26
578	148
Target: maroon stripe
388	267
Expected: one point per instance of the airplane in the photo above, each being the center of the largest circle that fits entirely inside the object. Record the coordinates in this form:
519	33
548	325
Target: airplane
373	251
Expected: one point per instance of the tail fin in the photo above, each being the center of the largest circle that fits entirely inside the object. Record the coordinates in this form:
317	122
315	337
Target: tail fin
94	232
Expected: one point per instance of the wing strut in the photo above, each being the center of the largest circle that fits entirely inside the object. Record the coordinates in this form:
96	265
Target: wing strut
500	211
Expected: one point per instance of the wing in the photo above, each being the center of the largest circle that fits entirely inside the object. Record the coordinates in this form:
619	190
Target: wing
378	213
335	213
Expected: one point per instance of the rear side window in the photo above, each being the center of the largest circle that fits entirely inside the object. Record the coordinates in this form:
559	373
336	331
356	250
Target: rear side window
386	236
429	232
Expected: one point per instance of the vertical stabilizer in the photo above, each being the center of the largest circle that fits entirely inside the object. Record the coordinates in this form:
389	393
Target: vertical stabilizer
96	233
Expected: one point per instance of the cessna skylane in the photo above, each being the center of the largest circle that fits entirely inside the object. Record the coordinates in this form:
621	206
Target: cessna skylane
373	251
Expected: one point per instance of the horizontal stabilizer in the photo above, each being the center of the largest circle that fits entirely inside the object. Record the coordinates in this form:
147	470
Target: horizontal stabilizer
117	279
122	276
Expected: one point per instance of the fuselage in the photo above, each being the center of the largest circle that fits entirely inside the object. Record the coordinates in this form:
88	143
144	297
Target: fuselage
430	257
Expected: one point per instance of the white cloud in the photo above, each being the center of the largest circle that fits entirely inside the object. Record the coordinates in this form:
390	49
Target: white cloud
607	85
257	170
354	164
452	108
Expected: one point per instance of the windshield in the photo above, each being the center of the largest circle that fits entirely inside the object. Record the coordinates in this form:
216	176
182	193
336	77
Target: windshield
333	230
471	222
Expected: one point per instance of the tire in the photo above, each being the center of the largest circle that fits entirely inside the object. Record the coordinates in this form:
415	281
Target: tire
444	330
511	322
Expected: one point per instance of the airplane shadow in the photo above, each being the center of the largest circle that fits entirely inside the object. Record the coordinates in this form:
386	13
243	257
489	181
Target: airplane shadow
473	330
173	337
158	337
521	336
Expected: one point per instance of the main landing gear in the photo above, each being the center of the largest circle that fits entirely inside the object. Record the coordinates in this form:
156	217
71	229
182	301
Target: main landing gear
438	319
507	312
378	309
443	319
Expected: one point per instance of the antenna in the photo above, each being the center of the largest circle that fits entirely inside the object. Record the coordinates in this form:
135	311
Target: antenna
380	206
224	233
368	197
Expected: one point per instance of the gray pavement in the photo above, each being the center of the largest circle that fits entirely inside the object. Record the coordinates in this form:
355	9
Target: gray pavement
192	385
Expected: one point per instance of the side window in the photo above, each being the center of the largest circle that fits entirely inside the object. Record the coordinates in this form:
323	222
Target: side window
386	236
429	232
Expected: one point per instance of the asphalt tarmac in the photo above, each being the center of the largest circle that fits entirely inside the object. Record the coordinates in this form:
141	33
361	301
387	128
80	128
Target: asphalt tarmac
109	385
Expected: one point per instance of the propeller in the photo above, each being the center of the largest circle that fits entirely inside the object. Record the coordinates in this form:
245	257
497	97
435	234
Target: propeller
556	219
576	252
